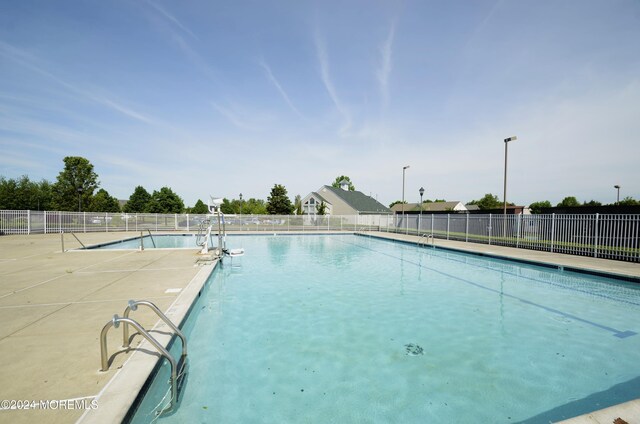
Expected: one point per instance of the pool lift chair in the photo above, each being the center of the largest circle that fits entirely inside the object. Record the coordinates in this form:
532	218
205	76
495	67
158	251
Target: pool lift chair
205	236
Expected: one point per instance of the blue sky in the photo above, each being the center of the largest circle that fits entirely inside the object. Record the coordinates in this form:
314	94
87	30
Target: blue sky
228	97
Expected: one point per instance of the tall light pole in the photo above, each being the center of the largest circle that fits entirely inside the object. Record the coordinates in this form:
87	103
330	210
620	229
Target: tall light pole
421	191
617	187
504	196
404	168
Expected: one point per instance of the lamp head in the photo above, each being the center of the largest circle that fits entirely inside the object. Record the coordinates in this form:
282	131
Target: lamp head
421	191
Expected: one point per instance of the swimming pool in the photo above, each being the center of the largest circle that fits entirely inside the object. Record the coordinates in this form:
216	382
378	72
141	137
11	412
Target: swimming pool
346	328
157	241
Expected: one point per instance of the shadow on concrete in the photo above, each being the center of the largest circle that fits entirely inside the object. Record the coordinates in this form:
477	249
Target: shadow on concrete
623	392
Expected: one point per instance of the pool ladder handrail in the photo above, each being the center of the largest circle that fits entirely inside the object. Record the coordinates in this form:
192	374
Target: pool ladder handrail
142	239
427	236
115	322
133	305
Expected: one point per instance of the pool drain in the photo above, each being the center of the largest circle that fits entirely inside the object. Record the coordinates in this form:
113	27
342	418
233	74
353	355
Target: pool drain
414	349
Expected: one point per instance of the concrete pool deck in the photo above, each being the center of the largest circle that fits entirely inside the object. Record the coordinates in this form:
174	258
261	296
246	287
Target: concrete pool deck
53	306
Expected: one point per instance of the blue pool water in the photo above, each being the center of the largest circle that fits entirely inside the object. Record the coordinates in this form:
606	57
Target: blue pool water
157	241
350	329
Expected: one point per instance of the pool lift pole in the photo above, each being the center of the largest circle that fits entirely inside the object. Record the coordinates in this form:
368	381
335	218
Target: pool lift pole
214	210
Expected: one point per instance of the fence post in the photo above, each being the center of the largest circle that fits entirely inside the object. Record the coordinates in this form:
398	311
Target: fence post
432	225
448	216
595	236
45	222
489	228
187	223
518	233
466	229
84	222
553	230
28	221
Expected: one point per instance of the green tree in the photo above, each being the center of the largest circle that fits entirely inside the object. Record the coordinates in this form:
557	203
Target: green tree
537	207
227	206
339	179
24	194
568	202
254	207
321	208
199	207
628	201
138	201
592	203
45	195
397	202
278	202
165	201
103	202
297	204
8	188
75	184
489	201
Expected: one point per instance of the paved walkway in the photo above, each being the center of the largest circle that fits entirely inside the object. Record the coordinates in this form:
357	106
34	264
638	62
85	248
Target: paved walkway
53	306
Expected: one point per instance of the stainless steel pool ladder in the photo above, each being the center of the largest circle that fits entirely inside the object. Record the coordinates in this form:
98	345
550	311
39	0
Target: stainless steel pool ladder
424	239
73	234
142	239
177	368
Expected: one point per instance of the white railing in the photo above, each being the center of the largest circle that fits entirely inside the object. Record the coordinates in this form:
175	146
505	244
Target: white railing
611	236
45	222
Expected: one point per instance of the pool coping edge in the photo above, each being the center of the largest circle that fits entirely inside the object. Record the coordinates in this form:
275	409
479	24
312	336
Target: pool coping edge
120	393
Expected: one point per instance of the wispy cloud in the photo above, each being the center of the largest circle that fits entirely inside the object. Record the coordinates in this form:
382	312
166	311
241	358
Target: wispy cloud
29	61
168	16
328	83
283	93
242	118
386	50
124	110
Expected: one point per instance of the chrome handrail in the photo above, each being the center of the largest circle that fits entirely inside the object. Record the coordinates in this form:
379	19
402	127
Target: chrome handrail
428	236
151	236
115	322
133	305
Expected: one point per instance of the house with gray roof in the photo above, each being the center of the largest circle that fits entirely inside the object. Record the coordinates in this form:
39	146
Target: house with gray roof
432	207
342	201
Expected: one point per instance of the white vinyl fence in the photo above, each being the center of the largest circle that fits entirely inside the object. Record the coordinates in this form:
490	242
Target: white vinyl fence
610	236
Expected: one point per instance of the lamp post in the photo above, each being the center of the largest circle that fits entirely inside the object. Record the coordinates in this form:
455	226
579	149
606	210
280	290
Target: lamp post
504	210
404	168
240	205
421	191
617	187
